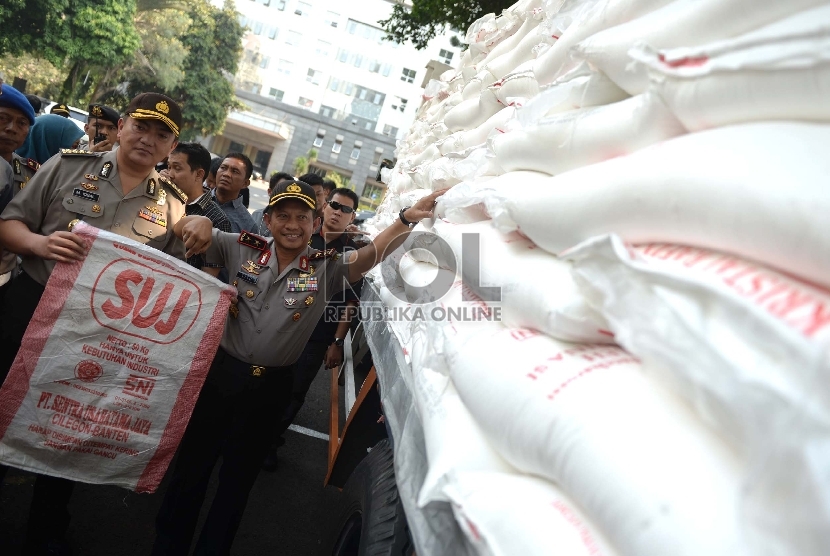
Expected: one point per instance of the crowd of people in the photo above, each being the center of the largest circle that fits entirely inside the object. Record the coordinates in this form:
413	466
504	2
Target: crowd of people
276	337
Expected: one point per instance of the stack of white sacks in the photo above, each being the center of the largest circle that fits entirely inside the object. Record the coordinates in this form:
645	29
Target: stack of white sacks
649	182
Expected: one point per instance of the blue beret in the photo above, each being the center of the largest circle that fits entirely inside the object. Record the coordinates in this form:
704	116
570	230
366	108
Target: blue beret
12	98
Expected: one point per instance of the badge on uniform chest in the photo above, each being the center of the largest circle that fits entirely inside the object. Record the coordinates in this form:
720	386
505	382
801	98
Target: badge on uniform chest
302	284
154	215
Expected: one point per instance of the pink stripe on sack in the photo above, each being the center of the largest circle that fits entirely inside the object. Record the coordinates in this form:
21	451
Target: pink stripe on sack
186	400
58	287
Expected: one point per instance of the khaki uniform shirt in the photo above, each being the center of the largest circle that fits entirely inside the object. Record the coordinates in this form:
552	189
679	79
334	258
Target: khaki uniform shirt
86	186
274	324
24	170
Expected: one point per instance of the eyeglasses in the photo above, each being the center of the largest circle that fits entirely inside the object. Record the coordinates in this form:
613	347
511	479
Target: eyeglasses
337	206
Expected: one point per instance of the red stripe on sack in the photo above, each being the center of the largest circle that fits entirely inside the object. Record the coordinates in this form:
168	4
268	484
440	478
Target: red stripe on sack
606	332
685	62
58	287
188	394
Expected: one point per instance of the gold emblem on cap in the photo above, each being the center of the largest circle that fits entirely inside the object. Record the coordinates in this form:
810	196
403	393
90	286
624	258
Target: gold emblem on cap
296	317
72	224
162	107
96	111
96	208
294	188
249	294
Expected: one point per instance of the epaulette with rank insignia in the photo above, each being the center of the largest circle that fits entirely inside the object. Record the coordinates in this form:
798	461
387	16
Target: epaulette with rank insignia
253	241
174	188
77	152
327	254
33	165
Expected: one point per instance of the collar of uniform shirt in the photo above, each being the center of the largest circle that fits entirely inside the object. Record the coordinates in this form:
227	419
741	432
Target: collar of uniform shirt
295	264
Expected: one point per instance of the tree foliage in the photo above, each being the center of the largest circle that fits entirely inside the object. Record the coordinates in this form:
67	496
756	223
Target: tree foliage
214	43
426	18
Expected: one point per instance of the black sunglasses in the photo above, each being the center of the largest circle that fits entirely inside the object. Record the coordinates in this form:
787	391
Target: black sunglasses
337	206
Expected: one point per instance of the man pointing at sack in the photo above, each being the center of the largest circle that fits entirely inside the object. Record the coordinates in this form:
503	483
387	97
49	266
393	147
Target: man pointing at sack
118	191
283	288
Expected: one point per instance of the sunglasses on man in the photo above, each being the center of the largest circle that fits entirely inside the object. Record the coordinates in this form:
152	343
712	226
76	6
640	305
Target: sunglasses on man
337	206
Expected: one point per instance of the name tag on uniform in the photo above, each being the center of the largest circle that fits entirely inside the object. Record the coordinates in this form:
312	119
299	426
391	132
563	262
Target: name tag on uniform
304	284
88	195
251	279
153	215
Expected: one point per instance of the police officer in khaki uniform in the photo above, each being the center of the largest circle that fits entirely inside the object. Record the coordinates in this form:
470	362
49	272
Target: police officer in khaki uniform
24	170
101	128
283	287
118	191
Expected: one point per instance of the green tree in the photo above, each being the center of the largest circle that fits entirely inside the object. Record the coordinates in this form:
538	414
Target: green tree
426	18
339	179
300	165
214	47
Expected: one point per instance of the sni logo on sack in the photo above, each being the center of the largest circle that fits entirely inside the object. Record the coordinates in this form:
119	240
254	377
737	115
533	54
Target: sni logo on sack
137	300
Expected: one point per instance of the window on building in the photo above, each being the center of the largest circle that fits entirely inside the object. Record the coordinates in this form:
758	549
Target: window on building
446	56
313	76
368	32
358	60
276	93
343	55
387	69
243	21
284	67
305	102
348	88
390	131
334	84
258	28
273	32
332	18
374	66
263	63
323	48
318	141
362	93
338	145
327	111
256	88
378	156
294	39
408	75
265	2
280	5
355	153
303	9
402	105
369	126
377	99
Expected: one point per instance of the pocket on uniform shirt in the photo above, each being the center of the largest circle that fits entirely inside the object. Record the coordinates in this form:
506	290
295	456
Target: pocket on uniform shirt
151	223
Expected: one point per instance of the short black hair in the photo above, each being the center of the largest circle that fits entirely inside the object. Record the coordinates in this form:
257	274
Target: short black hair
346	192
311	179
214	165
249	166
36	103
278	177
329	186
198	157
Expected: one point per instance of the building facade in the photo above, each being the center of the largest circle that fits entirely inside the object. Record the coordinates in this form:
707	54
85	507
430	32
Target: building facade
317	75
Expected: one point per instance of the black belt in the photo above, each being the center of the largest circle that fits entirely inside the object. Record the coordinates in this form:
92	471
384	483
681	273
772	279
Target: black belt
240	366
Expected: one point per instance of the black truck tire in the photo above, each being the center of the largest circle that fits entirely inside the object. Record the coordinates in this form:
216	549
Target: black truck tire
370	520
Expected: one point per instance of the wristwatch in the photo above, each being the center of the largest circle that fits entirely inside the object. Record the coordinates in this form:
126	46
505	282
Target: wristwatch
406	222
338	342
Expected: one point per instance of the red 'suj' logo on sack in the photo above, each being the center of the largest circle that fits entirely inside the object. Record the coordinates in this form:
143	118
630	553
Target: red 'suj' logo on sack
137	300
